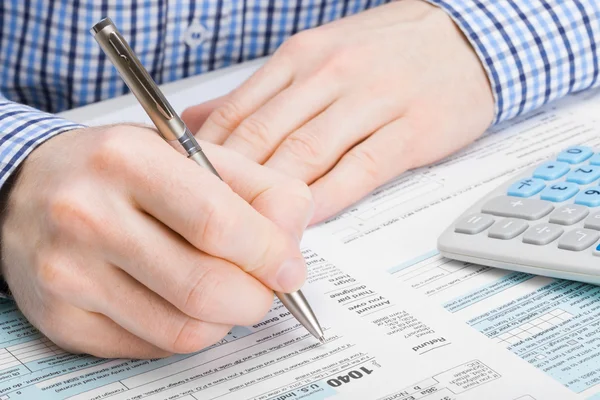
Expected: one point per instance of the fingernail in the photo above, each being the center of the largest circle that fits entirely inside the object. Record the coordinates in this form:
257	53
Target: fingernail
291	274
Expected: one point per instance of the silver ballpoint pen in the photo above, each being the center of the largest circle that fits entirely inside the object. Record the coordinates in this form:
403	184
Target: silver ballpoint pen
174	131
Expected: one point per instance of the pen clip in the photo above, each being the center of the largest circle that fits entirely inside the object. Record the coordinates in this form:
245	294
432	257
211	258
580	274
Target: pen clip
140	74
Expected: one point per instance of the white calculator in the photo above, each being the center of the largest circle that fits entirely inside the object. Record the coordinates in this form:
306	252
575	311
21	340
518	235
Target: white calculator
546	221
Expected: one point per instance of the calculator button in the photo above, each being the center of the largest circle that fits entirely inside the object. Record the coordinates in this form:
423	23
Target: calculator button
508	228
560	191
578	239
595	160
507	206
551	170
569	214
527	187
474	223
593	221
542	234
584	174
575	154
589	197
597	251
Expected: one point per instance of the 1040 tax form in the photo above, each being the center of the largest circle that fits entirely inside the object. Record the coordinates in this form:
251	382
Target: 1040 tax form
401	321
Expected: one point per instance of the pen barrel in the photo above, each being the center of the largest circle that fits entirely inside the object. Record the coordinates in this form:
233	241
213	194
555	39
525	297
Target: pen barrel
297	305
141	84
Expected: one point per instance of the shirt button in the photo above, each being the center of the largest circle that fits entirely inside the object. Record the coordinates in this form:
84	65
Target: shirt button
195	35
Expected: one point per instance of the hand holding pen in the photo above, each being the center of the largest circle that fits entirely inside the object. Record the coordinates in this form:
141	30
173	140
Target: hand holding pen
174	131
116	245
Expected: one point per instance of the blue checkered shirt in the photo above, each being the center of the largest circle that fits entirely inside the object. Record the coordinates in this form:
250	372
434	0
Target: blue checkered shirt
533	51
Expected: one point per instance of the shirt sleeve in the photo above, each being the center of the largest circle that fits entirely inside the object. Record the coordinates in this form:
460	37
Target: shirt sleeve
22	129
533	51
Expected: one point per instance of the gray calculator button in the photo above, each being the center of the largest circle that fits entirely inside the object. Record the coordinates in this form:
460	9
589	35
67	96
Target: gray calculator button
515	207
593	221
542	234
578	239
474	223
508	228
569	214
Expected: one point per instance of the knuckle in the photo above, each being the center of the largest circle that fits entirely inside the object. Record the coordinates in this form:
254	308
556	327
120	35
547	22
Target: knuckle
367	162
255	133
348	61
339	63
305	146
52	276
191	337
110	150
199	294
213	227
302	195
227	116
71	215
300	43
300	189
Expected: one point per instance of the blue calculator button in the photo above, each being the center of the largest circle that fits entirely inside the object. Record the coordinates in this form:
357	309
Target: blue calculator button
575	154
526	187
584	174
559	192
589	197
595	160
551	170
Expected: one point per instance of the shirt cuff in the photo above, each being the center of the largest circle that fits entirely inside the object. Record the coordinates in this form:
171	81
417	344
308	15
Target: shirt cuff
533	51
22	129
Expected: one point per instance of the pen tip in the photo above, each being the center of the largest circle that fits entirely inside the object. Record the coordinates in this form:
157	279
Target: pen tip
322	339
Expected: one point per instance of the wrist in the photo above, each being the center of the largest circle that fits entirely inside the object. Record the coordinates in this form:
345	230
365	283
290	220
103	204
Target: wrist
5	192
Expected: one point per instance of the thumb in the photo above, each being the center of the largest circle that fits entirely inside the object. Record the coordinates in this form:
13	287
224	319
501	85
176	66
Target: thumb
195	116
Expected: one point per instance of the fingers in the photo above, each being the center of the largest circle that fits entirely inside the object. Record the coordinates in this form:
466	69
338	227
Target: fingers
265	83
315	148
286	202
195	116
90	333
382	156
201	286
259	134
210	216
148	316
